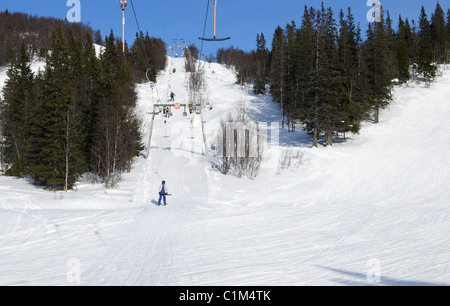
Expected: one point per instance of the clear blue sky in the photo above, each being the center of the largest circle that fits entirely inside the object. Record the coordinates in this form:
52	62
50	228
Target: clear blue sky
240	19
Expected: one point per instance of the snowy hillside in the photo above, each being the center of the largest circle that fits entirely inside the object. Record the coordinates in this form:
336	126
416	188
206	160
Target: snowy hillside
374	208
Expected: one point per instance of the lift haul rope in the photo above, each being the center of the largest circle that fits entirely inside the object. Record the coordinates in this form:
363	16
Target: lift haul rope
143	47
123	4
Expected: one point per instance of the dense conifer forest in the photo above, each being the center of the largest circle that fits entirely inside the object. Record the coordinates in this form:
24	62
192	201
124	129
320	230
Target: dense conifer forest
328	74
77	116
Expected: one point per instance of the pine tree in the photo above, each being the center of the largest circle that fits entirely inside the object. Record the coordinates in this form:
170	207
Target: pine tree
378	78
91	77
360	95
261	60
448	26
292	73
336	113
34	154
17	112
98	38
426	60
328	95
278	70
403	60
391	52
117	138
81	94
347	47
349	41
439	34
411	41
59	146
306	38
143	59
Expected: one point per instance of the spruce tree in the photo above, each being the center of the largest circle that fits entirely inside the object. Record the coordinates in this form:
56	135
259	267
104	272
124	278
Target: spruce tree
328	94
278	70
349	41
34	154
335	115
292	73
391	52
307	52
144	63
347	47
59	146
140	64
91	77
411	41
17	112
439	34
81	95
261	60
360	95
448	29
426	60
117	138
403	60
378	78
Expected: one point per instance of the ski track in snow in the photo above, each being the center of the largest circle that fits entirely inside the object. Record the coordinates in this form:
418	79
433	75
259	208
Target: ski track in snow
383	195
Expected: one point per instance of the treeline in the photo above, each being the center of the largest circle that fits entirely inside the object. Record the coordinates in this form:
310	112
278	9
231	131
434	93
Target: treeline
325	75
36	33
77	116
149	57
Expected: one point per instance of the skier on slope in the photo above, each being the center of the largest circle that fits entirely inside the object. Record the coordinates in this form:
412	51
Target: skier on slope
163	191
172	96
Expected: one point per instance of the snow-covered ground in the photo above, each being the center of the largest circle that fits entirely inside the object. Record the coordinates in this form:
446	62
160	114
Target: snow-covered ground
375	208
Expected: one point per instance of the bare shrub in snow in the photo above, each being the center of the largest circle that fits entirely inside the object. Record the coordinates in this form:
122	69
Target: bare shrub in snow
290	160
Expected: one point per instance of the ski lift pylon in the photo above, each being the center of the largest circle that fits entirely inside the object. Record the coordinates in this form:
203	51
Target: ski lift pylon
215	18
123	5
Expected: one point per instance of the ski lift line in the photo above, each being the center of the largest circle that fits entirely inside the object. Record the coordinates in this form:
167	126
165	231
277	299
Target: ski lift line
123	5
173	105
204	26
139	29
146	75
177	43
143	47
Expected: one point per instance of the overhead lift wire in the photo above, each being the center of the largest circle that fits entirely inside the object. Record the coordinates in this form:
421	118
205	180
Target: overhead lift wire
146	74
143	47
204	27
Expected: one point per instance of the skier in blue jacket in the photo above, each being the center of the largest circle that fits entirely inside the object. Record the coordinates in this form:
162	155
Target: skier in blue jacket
163	191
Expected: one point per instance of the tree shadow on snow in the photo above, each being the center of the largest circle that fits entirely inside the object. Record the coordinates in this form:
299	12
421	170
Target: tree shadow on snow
360	279
263	109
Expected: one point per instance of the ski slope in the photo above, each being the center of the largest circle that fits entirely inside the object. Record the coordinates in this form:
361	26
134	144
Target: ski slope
371	210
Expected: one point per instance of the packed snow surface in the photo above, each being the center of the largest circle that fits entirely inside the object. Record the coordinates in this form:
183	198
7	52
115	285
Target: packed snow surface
373	209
